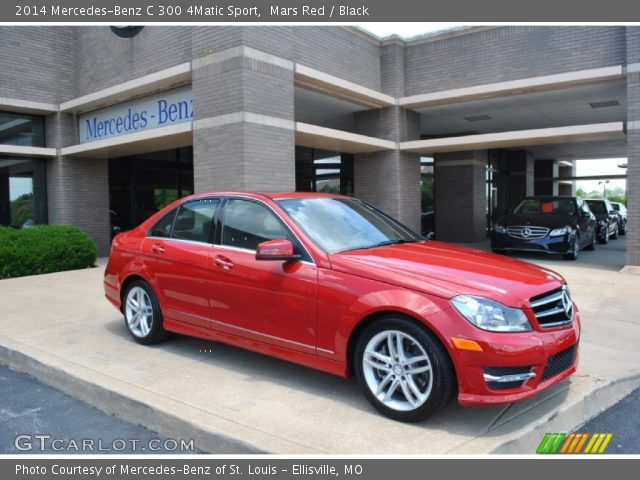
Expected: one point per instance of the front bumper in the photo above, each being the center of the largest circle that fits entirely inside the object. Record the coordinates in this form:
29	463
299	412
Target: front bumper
536	352
560	244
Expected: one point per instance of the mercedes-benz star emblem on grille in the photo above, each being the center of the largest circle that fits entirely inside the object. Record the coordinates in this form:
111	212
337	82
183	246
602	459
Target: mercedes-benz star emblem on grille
566	303
526	232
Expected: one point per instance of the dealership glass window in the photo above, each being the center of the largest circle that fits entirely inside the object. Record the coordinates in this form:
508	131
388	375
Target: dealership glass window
427	199
323	171
21	129
140	185
22	192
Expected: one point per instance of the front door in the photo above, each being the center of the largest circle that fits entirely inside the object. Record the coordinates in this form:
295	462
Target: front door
269	301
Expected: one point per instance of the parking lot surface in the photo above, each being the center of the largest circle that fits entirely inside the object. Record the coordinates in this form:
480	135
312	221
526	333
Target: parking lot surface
59	328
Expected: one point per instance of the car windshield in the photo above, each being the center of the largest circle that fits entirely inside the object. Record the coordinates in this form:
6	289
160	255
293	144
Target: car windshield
340	224
553	206
597	207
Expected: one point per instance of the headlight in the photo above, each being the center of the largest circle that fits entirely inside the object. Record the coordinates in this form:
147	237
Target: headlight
489	315
559	231
499	229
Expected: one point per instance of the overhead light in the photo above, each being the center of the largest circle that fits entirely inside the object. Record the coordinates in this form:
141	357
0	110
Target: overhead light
477	118
622	165
608	103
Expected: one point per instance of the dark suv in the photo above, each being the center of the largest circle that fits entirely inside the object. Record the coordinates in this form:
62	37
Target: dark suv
607	219
549	224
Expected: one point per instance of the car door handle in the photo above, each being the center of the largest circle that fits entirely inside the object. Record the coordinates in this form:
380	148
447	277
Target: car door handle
223	262
157	248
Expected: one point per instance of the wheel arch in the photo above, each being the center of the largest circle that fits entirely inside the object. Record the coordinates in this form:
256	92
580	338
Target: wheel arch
370	319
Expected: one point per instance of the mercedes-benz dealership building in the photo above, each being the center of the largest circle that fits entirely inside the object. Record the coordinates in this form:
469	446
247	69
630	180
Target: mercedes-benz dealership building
102	126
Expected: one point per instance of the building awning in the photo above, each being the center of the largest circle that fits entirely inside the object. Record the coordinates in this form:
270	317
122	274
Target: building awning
519	138
314	136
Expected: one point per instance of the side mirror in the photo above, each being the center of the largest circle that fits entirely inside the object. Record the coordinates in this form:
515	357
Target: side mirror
279	249
586	214
613	212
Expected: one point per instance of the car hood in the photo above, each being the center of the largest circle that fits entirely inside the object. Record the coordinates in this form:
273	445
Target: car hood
446	271
538	220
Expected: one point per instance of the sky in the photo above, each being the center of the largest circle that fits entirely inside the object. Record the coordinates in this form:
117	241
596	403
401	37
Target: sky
406	29
607	166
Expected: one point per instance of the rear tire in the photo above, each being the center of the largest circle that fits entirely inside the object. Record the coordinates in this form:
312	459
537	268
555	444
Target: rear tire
403	369
142	314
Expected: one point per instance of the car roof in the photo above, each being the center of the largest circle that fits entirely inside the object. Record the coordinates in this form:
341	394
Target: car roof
270	195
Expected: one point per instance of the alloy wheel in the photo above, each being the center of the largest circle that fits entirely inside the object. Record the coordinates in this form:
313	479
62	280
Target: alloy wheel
139	312
397	370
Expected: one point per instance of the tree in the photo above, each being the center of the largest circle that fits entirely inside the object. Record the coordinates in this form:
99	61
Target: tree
22	210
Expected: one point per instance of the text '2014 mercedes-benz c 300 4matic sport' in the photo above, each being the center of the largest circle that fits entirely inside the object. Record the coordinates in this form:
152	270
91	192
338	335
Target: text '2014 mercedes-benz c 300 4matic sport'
331	282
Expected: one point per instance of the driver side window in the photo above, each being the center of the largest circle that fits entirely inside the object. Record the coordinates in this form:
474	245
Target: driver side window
246	224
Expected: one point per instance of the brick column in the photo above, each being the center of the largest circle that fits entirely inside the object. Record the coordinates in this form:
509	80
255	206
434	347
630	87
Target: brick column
244	121
390	180
633	145
77	188
461	196
520	176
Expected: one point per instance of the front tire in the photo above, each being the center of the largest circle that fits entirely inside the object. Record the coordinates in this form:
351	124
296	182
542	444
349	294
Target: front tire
142	314
605	239
614	236
575	249
403	369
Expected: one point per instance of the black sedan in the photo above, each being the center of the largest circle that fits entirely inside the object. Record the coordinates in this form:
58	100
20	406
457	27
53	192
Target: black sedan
607	219
548	224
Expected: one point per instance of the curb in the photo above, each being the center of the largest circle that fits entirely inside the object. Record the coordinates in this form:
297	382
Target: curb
124	407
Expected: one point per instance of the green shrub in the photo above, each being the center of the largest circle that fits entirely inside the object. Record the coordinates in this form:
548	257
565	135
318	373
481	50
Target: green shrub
44	249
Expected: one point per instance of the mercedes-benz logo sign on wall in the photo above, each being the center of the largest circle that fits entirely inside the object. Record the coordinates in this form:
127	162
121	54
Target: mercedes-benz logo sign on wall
127	31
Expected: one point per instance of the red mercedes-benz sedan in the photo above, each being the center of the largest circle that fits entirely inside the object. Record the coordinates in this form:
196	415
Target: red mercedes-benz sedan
331	282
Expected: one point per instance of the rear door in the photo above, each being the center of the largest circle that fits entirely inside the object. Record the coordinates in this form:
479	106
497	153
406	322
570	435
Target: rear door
177	254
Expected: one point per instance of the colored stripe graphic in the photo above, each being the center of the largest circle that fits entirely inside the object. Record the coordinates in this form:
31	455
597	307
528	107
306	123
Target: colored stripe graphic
573	443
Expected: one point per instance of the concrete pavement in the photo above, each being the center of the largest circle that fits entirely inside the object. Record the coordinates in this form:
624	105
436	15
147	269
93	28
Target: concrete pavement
60	329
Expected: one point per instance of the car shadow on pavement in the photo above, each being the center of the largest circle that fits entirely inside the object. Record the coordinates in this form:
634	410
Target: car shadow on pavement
344	394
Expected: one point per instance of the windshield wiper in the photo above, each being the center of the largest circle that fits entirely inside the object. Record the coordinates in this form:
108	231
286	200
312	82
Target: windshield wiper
392	242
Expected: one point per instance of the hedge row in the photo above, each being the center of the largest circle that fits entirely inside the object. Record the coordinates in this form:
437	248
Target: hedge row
44	249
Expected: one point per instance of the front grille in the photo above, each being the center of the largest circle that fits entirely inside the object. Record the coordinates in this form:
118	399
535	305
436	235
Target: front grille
499	371
553	308
526	232
559	363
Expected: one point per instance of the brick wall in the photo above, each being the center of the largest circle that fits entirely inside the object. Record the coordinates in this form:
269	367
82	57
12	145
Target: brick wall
104	59
37	63
510	53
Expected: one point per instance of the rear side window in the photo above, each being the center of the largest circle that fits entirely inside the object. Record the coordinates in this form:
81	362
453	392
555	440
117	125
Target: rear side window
162	228
246	224
194	220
